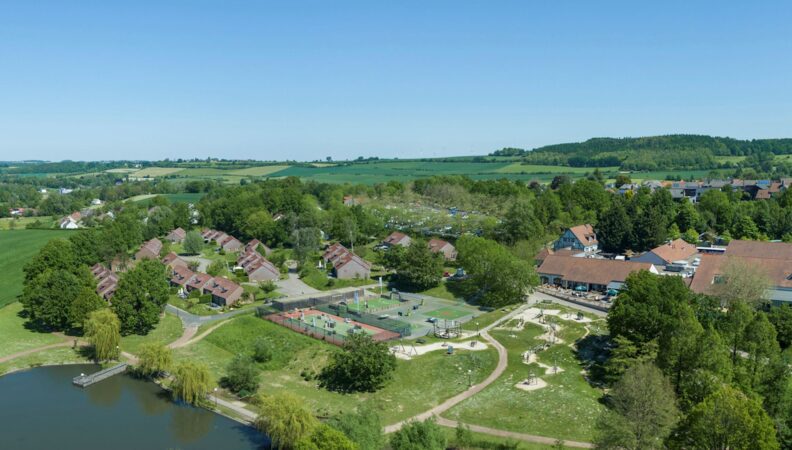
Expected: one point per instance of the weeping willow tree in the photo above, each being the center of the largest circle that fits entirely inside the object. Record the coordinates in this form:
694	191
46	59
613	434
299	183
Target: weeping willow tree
284	419
154	359
191	382
103	329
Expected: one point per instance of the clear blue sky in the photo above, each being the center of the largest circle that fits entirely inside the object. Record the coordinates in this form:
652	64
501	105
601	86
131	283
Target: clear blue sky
306	80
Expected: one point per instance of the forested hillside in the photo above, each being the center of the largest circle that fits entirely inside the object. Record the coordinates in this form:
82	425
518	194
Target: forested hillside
652	153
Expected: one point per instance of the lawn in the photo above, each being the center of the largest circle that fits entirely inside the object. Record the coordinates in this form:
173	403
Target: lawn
199	309
18	247
318	279
567	408
167	330
417	385
441	291
17	338
447	313
55	356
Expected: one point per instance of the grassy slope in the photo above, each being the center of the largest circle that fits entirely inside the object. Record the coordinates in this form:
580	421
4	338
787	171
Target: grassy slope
17	338
418	384
18	246
567	408
55	356
168	330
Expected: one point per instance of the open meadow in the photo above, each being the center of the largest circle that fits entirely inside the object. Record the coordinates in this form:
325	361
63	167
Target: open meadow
18	246
418	384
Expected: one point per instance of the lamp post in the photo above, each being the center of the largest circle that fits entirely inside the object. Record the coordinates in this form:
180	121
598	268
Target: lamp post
215	397
470	374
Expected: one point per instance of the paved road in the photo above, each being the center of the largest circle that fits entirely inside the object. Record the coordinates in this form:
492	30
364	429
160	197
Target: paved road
293	286
193	320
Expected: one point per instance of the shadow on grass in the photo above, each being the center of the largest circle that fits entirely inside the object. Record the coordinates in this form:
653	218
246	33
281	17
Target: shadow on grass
592	351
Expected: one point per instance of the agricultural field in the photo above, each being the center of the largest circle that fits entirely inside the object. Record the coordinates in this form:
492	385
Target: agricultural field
18	247
153	172
260	171
184	197
12	223
539	169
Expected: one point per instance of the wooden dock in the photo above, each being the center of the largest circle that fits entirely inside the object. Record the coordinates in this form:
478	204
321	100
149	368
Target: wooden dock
87	380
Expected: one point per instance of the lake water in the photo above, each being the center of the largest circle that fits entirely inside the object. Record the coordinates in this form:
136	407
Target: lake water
41	409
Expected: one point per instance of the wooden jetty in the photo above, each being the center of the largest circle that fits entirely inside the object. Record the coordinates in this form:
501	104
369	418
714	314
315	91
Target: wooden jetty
87	380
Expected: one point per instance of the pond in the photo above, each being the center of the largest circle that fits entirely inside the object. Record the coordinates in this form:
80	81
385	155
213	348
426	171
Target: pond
42	409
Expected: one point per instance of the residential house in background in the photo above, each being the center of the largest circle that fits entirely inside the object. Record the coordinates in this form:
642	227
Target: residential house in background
676	251
257	267
254	245
149	250
173	260
177	235
106	281
346	265
224	292
445	248
581	237
230	244
71	222
397	238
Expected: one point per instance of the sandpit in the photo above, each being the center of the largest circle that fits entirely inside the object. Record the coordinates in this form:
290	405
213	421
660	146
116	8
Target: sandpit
531	359
409	351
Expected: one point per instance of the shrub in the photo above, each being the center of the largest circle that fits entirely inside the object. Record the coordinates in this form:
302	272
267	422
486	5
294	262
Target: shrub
262	352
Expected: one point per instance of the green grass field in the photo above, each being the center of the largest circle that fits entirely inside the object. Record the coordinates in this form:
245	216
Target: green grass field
447	313
54	356
18	246
17	338
418	384
167	330
260	171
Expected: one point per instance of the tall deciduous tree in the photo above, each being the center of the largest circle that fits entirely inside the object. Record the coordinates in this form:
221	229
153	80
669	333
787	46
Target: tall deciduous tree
364	365
741	281
193	243
141	296
614	228
87	301
643	411
48	298
727	419
325	437
417	268
191	382
499	277
103	330
154	359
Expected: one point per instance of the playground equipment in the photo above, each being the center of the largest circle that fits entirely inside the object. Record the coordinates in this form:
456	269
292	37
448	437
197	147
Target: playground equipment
447	329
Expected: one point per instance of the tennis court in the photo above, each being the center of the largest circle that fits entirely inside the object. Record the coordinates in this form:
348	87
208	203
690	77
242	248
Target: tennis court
371	304
328	327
